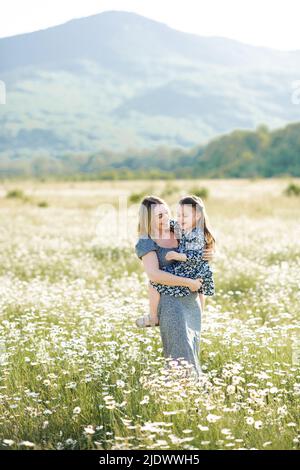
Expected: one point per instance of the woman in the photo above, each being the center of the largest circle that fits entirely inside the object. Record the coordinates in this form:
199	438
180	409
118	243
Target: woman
179	317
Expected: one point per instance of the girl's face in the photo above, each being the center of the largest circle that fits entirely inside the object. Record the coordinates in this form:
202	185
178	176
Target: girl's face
160	218
187	216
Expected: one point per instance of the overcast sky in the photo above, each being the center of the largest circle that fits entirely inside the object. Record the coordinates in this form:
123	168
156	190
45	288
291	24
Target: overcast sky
271	23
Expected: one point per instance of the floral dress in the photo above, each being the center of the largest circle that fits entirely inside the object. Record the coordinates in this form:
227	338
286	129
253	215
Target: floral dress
192	245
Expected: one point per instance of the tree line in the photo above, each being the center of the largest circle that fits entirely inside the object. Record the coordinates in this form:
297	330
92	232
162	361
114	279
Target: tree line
239	154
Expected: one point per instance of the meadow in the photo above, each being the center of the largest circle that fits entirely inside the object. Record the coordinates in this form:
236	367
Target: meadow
76	372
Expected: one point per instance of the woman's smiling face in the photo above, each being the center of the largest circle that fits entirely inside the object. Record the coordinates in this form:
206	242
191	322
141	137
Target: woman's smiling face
160	217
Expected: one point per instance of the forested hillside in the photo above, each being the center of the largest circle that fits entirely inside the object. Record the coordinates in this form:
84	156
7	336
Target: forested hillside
241	153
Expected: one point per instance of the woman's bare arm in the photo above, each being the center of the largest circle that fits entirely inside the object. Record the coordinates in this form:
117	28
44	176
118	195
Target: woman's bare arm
155	274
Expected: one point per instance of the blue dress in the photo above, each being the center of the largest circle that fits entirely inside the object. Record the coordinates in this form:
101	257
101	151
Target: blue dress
179	316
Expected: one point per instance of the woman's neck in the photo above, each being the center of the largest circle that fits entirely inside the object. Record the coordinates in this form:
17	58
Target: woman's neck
163	234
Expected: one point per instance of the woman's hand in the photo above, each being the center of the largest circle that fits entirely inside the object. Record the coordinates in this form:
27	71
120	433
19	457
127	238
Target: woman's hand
195	284
208	254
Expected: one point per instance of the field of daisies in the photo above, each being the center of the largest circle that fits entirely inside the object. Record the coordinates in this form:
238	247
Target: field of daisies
76	372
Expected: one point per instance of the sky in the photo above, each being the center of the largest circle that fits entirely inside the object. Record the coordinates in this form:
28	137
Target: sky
269	23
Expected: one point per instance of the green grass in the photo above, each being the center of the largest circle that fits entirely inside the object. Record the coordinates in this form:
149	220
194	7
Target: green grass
76	373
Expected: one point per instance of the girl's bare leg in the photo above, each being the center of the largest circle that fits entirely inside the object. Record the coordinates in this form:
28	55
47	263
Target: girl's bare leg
202	302
154	297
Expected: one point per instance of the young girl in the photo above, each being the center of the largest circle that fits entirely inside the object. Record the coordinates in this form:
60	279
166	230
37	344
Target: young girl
193	232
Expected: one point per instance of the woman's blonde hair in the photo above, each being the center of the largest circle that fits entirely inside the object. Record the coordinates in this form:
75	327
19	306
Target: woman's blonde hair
145	211
197	203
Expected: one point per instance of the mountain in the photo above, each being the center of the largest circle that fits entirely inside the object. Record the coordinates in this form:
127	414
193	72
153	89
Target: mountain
118	81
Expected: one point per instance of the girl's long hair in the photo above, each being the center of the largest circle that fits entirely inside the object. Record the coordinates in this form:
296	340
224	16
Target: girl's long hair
197	203
145	211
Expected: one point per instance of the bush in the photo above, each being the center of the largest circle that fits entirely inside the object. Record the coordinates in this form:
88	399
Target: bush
136	197
15	194
43	204
292	190
200	192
